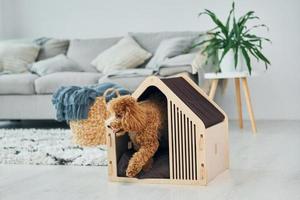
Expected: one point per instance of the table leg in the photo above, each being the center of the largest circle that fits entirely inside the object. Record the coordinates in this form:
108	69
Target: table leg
213	89
238	101
225	86
248	102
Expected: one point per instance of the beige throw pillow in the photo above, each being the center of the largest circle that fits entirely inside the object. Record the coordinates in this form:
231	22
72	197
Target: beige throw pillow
14	57
126	54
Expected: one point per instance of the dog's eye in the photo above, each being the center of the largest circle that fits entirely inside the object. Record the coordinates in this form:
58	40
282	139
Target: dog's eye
118	115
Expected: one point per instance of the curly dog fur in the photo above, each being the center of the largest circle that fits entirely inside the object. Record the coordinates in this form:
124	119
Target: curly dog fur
142	121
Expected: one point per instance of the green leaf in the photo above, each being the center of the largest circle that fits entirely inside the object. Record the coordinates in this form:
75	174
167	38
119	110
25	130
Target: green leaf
215	20
236	55
236	30
249	44
225	51
255	27
247	59
199	44
252	53
262	57
256	37
229	16
242	20
211	47
209	31
256	53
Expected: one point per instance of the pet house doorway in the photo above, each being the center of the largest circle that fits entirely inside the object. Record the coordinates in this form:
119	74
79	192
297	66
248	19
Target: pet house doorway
124	148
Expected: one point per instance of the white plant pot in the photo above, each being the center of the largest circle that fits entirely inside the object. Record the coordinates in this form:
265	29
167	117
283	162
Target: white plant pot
227	64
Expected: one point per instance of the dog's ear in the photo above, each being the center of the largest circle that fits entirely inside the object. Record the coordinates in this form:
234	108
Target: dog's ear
134	117
120	104
125	103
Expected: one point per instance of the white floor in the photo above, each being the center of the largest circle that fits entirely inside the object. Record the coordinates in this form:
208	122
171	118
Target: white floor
266	166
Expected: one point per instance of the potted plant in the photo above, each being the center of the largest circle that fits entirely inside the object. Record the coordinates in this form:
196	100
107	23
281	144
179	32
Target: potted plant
233	41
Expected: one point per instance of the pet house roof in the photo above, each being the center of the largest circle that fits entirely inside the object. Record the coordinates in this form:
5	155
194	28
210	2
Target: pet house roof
202	107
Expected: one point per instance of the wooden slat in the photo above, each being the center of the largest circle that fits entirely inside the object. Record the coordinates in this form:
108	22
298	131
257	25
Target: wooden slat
177	143
170	134
192	150
174	142
189	148
186	149
183	161
180	144
196	152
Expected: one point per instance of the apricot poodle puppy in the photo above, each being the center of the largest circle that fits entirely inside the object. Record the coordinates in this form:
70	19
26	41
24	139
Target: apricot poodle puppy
142	121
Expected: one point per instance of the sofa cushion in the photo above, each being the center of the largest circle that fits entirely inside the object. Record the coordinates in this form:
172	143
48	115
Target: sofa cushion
83	51
17	83
51	47
59	63
169	48
125	54
51	82
15	57
150	41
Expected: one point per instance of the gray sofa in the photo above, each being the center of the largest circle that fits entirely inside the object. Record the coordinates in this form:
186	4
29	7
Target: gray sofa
28	96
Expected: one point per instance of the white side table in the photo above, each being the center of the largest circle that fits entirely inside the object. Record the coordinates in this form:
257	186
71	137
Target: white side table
237	76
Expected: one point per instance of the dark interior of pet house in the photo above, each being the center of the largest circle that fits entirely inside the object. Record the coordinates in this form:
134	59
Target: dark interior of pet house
124	150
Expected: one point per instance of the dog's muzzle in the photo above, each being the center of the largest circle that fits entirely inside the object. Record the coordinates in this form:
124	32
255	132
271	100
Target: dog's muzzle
108	124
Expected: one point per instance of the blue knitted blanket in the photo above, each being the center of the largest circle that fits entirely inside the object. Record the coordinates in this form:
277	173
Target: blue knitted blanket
73	102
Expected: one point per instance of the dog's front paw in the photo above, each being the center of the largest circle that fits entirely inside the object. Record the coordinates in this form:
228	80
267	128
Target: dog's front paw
131	172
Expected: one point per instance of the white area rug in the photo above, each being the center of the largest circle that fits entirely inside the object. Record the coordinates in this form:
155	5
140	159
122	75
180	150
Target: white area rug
46	147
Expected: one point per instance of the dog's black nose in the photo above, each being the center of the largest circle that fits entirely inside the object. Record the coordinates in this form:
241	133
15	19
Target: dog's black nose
108	126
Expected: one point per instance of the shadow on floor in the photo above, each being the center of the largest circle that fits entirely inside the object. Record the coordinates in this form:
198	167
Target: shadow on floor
43	124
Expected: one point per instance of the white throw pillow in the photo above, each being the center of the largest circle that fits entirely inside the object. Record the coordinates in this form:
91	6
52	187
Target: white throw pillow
15	57
167	49
123	55
59	63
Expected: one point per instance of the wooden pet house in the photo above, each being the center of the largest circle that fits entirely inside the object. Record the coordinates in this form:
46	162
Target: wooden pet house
197	135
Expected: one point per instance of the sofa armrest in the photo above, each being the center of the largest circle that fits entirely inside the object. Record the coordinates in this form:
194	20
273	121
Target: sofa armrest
181	63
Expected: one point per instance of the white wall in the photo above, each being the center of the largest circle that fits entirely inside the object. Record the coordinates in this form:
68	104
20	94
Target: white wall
1	20
275	95
7	19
